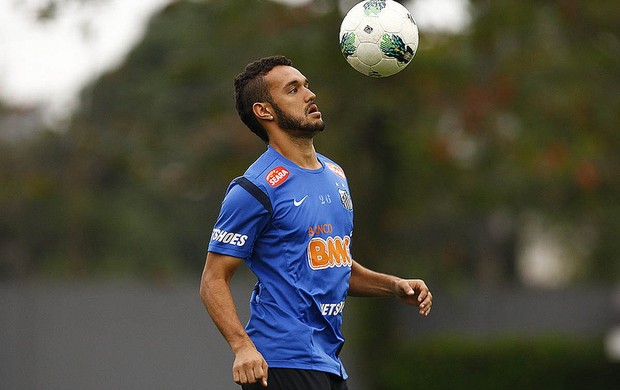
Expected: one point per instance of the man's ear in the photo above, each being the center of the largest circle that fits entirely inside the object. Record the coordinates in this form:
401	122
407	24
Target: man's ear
263	111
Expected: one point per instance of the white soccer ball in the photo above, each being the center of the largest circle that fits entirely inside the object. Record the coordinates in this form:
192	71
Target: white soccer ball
378	37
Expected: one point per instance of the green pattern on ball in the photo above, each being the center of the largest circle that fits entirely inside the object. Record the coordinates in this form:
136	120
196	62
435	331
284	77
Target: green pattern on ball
393	46
347	44
373	7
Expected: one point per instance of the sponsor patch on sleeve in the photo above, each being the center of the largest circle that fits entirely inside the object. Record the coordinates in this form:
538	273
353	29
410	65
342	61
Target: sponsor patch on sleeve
277	176
228	237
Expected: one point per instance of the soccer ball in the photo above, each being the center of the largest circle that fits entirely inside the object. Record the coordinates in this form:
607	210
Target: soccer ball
378	37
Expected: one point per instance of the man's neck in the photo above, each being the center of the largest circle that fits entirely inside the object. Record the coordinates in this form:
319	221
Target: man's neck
298	150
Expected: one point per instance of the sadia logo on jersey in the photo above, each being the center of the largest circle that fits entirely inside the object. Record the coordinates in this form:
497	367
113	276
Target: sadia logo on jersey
336	169
277	176
333	252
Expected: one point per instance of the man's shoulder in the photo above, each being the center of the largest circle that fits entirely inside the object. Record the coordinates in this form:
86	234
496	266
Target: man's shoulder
268	171
332	165
258	167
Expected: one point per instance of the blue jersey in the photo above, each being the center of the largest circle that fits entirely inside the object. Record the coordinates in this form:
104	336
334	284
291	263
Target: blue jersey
300	255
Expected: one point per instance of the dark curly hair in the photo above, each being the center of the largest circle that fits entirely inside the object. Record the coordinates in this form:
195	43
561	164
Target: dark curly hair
250	88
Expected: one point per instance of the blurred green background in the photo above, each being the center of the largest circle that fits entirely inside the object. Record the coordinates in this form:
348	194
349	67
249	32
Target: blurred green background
489	165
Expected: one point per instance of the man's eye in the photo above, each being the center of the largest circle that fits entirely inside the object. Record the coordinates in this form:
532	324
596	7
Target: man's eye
293	90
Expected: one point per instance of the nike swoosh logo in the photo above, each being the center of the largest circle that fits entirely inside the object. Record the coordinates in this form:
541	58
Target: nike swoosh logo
298	203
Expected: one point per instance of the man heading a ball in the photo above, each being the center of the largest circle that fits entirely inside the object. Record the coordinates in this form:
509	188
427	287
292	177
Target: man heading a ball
290	219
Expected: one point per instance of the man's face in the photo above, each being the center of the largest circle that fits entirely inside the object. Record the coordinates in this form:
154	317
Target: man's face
293	102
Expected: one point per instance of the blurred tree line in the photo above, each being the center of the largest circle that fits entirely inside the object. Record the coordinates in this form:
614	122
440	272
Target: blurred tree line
515	116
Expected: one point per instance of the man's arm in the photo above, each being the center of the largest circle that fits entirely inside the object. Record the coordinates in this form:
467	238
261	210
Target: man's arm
249	365
367	283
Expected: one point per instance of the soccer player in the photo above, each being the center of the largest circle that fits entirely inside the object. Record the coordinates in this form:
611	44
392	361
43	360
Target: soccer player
290	219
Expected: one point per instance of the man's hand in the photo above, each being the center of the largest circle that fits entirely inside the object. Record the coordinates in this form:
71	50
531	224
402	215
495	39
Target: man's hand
249	366
367	283
415	292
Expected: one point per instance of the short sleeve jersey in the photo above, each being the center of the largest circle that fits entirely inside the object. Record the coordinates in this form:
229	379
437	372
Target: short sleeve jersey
300	255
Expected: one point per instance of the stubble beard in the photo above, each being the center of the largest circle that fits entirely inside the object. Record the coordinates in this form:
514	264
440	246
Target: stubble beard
295	127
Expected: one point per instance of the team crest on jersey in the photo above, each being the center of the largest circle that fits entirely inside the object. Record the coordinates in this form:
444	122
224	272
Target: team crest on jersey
345	199
336	169
277	176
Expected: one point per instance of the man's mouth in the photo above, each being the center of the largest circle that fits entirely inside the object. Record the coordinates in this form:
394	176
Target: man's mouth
313	109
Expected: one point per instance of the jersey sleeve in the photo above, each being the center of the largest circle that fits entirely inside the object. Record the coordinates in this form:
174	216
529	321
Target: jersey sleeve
241	219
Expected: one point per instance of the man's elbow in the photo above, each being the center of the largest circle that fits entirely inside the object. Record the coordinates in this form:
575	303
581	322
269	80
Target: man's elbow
203	291
205	285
